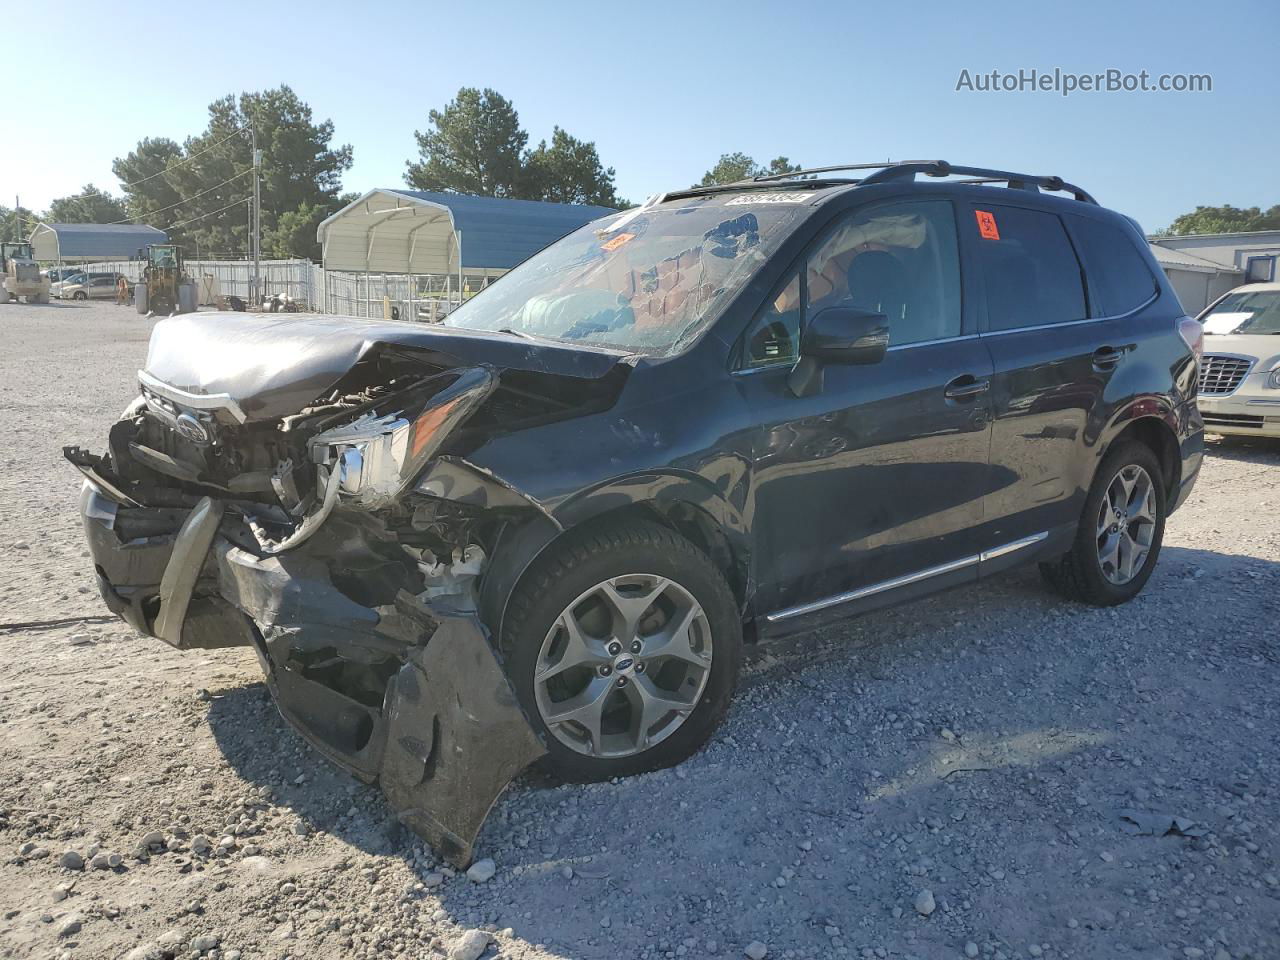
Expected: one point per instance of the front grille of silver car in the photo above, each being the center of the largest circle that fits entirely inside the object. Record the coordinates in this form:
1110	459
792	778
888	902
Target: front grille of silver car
1221	373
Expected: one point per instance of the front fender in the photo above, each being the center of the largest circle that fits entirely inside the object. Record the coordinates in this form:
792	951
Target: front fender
678	498
659	489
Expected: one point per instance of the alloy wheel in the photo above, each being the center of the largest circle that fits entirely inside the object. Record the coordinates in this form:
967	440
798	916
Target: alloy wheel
623	666
1126	524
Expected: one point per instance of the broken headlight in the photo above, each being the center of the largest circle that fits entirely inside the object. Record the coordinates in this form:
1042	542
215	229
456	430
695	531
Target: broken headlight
380	453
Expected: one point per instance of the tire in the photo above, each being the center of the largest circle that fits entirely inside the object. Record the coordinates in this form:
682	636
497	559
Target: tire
140	298
4	294
630	560
1090	572
79	295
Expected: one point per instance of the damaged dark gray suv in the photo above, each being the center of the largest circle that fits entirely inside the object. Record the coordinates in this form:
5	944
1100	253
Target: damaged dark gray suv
544	527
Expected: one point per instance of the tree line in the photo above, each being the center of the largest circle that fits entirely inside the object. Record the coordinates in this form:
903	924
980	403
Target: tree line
198	190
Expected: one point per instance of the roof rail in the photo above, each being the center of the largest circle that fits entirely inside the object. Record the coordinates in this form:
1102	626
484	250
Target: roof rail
941	168
907	169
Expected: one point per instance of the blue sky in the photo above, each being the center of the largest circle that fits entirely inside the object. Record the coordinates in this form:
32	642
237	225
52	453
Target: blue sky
664	89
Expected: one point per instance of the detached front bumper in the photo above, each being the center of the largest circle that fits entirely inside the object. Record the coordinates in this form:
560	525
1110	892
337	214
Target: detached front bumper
406	693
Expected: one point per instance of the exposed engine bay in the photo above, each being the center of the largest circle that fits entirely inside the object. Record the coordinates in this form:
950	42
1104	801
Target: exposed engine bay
342	536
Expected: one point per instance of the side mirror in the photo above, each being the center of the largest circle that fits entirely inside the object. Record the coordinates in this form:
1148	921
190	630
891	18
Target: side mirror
844	335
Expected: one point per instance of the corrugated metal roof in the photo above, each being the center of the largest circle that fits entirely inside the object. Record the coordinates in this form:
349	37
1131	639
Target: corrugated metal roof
99	241
1169	257
401	231
1174	238
500	233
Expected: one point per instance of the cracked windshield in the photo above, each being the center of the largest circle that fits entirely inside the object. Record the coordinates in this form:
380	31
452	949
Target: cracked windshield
647	280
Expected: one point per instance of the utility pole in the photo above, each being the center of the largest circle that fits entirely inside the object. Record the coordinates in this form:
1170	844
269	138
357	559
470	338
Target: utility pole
257	219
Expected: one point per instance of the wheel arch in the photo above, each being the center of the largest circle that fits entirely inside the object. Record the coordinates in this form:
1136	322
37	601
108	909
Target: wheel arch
1154	426
681	504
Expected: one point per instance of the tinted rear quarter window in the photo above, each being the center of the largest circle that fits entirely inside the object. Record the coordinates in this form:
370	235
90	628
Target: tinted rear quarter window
1029	268
1119	277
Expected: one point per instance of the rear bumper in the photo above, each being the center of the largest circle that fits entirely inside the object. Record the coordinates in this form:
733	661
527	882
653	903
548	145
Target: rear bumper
1190	453
406	694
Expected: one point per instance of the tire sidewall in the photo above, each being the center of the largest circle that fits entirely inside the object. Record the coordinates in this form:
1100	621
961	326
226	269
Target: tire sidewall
522	643
1086	537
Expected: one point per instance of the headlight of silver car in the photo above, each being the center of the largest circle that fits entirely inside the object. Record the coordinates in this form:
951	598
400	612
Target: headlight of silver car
1273	378
380	453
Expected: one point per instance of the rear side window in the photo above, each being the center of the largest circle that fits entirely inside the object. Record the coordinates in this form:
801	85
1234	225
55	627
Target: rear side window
1029	268
1118	274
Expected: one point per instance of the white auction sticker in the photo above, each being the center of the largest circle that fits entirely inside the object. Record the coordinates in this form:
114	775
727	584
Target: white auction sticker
749	198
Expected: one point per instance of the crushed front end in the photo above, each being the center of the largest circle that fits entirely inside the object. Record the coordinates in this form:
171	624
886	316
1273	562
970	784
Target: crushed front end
316	537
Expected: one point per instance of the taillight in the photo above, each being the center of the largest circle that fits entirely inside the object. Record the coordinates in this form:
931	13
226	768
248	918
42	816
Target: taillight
1192	333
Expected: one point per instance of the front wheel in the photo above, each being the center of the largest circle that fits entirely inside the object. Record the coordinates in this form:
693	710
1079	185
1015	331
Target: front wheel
1120	532
79	295
623	645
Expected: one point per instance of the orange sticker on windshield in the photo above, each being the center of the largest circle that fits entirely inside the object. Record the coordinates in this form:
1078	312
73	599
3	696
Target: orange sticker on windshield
616	242
987	225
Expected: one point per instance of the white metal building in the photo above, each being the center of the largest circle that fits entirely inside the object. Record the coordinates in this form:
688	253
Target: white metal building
406	248
89	242
1202	267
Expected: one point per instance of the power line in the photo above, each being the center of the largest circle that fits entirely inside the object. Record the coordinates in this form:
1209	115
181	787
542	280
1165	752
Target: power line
194	196
168	167
183	223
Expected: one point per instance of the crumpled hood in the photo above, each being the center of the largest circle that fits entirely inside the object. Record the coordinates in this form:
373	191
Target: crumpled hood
275	364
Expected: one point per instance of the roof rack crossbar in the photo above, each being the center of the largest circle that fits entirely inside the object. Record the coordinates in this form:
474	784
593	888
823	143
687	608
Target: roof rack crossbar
941	168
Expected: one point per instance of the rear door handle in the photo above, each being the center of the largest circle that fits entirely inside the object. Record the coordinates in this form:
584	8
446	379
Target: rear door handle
966	387
1106	357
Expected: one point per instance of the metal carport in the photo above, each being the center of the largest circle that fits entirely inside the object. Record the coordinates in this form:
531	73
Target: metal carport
414	233
87	242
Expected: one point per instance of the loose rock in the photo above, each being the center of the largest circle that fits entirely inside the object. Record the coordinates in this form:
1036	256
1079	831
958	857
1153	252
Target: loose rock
482	871
469	946
924	903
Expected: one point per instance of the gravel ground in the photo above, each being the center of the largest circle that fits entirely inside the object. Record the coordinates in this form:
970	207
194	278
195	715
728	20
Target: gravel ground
949	779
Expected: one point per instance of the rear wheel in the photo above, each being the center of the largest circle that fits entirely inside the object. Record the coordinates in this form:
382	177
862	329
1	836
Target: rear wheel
79	295
623	645
1120	532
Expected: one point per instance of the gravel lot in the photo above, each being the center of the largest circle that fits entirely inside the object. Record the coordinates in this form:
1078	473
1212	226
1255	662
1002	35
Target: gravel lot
944	780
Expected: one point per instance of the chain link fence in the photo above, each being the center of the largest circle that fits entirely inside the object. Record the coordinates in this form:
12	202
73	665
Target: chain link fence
423	297
300	279
427	298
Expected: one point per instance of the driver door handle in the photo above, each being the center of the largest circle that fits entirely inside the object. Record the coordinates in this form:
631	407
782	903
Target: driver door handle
966	387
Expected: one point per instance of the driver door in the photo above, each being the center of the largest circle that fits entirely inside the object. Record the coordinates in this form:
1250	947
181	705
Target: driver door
880	474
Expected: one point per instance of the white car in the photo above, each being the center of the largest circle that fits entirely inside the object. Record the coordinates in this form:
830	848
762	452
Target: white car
1240	370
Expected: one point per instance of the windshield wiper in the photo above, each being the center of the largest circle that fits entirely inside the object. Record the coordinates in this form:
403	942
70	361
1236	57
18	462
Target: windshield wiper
516	333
